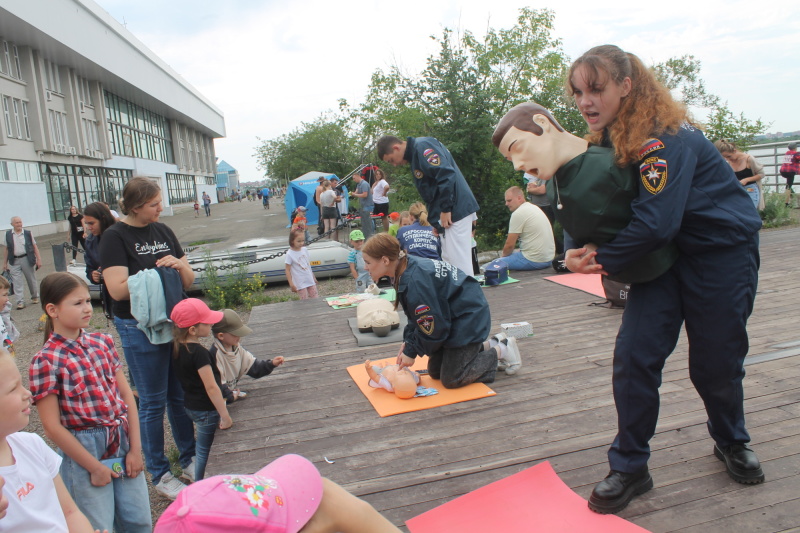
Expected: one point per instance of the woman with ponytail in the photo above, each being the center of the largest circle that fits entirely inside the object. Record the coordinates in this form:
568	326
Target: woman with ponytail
689	196
448	316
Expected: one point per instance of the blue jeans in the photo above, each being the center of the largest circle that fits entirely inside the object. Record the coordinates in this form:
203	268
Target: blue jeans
159	389
517	261
123	504
206	423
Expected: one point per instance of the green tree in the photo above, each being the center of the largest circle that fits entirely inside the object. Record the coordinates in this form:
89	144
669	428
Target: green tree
459	97
325	145
682	75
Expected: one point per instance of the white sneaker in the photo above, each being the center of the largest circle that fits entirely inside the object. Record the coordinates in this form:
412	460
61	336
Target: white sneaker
169	486
512	357
188	472
72	262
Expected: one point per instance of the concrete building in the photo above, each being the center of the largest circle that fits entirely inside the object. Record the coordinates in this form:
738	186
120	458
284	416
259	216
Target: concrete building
86	106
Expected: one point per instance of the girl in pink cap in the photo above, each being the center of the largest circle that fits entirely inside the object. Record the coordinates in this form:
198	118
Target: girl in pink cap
198	373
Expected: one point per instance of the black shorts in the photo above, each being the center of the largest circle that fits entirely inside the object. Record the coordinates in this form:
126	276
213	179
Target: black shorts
381	209
329	212
789	178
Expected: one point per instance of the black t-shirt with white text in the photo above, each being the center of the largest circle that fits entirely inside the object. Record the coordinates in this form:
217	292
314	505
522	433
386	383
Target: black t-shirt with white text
136	249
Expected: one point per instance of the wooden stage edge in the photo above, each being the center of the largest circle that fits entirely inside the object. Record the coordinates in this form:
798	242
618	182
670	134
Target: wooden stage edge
558	408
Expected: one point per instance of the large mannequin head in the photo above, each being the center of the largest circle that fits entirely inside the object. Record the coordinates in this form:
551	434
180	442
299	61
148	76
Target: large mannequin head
534	141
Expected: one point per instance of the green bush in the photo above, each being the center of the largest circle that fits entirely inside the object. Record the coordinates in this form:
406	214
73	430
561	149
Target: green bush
776	213
235	289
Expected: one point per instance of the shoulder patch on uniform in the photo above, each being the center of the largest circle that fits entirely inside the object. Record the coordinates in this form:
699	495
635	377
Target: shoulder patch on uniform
425	323
421	309
654	174
649	146
418	174
427	152
433	159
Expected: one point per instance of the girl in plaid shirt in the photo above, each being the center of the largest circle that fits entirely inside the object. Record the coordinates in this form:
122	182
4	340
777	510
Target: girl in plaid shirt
87	408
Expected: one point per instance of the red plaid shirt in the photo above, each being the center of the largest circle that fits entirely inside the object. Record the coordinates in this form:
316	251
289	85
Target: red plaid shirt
82	373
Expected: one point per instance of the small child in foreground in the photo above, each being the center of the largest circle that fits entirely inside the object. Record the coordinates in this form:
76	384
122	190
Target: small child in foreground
33	491
233	361
286	496
198	373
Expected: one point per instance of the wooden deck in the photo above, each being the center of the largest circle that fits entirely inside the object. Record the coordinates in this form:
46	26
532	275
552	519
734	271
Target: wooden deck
558	408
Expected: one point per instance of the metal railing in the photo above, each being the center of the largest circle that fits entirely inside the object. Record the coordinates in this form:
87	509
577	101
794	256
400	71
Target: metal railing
771	156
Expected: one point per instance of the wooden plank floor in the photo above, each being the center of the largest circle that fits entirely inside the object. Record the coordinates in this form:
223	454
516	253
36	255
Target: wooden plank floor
558	408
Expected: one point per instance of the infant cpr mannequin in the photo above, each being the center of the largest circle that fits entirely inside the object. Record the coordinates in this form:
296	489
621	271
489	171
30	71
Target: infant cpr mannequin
402	382
378	316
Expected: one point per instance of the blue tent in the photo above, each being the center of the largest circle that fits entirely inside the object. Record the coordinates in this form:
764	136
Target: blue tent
301	192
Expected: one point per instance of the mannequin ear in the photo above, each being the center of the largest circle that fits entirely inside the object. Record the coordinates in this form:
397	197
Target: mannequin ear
543	122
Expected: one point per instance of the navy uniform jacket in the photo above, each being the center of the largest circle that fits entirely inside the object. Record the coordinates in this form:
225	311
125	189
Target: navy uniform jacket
438	180
688	194
444	306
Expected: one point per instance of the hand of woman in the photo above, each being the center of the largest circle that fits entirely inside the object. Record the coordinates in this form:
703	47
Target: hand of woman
743	181
96	276
225	422
169	261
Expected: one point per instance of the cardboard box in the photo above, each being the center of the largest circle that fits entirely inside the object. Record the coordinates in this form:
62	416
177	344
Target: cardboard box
517	329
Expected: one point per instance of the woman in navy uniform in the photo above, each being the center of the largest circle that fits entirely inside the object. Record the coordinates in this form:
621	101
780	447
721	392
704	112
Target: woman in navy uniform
688	195
448	316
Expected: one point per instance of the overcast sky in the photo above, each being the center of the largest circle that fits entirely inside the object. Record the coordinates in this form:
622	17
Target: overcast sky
271	65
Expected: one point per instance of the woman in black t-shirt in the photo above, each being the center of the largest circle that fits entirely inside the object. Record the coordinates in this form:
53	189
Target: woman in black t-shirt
139	242
76	234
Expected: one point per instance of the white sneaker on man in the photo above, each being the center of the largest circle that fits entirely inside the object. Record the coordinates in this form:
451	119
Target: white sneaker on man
188	472
169	486
512	357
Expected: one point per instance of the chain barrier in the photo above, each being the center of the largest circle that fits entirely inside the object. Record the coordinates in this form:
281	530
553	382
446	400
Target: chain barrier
236	264
69	248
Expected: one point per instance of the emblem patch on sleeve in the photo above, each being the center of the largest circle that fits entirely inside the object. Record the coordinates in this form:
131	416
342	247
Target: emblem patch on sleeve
427	152
425	323
650	146
433	159
418	174
421	309
654	174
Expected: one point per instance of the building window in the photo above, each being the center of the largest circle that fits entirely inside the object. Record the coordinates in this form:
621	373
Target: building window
52	81
17	121
84	91
90	137
58	130
7	115
25	122
16	61
19	171
80	186
137	132
7	59
181	189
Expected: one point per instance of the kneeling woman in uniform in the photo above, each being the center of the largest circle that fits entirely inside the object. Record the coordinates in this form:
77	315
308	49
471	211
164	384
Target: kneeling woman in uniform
448	316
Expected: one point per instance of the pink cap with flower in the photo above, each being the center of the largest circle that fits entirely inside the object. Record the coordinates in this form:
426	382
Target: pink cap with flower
280	498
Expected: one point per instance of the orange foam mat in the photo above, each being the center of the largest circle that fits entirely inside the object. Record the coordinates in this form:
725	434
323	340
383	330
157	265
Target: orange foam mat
387	404
590	283
532	500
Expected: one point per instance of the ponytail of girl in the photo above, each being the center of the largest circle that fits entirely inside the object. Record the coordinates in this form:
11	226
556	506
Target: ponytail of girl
420	213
